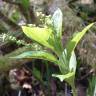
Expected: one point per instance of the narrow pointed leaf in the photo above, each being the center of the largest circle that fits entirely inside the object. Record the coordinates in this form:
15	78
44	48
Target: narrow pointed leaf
57	23
38	55
40	35
57	27
63	63
64	77
72	62
73	43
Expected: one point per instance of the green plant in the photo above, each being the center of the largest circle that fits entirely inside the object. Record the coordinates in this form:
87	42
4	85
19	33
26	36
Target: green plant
91	91
50	36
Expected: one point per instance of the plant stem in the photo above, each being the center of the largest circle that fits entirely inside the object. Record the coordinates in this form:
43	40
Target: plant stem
65	89
74	90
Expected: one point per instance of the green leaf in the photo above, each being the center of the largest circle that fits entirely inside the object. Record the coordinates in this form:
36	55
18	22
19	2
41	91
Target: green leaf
37	73
25	4
57	23
63	63
57	27
66	66
41	35
64	77
75	40
38	55
72	62
91	91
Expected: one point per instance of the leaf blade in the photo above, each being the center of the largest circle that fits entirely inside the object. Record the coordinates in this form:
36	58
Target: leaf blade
75	40
25	4
57	23
72	62
57	27
64	77
38	55
40	35
37	74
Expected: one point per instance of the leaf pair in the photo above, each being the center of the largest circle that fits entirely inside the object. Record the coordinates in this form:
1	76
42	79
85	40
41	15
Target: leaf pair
46	36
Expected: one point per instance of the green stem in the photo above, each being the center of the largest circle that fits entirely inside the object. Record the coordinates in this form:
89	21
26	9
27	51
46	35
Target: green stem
74	89
72	84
